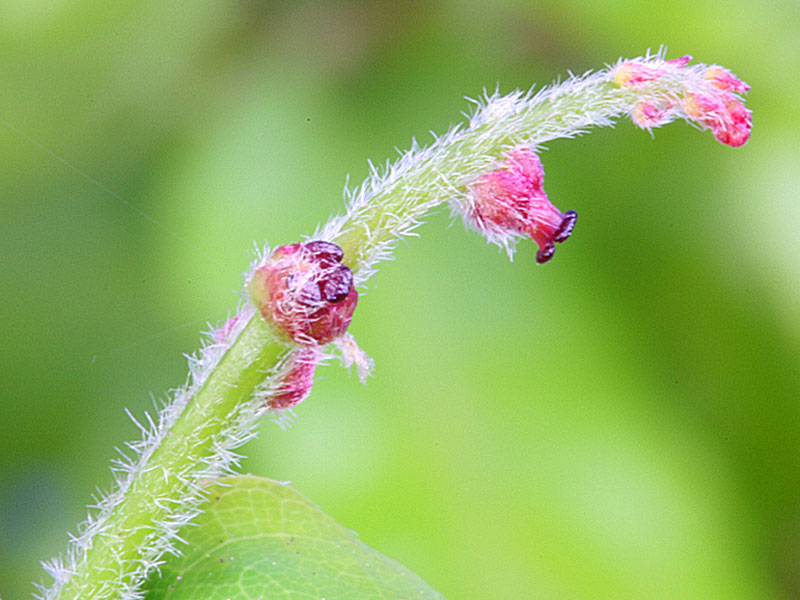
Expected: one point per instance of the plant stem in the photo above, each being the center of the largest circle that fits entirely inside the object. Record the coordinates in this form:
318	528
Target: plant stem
390	207
158	488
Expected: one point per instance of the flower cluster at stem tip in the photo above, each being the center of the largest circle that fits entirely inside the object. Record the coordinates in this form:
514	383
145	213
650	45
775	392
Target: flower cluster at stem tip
709	97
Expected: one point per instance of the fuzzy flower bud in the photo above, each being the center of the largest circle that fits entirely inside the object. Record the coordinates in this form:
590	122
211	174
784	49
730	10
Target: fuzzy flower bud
737	124
295	385
647	115
724	79
511	201
637	72
728	119
305	291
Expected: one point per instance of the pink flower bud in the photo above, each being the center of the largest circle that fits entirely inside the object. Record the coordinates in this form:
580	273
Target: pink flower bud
728	119
636	73
295	386
511	201
736	125
647	115
703	108
305	291
724	79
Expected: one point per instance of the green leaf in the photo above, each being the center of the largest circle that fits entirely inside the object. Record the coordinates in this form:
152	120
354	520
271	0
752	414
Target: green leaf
261	539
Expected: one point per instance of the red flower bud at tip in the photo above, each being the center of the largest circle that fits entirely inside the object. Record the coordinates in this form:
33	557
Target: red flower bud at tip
728	119
511	200
736	125
305	291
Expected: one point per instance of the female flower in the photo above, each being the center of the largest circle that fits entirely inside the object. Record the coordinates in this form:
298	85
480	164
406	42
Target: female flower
511	201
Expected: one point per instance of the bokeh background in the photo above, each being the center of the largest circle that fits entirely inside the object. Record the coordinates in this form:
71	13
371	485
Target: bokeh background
623	422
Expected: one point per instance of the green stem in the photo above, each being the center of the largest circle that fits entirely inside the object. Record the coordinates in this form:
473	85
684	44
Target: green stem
186	445
445	169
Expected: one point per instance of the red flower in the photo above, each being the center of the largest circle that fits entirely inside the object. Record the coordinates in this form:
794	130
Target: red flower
511	200
728	119
295	386
305	291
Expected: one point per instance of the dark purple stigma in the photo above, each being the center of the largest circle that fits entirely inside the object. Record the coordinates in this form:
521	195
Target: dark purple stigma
336	285
334	280
324	250
567	225
546	253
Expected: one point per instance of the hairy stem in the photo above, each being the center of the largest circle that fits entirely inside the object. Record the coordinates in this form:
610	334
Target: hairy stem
156	492
391	204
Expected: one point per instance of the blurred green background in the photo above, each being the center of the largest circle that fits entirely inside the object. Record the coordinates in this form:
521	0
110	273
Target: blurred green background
620	423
